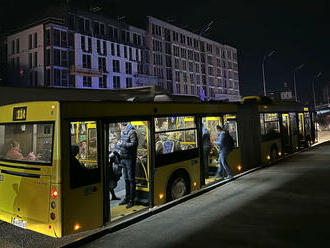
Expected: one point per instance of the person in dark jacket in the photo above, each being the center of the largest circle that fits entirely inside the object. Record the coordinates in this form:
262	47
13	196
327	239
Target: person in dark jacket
223	152
128	144
115	173
206	149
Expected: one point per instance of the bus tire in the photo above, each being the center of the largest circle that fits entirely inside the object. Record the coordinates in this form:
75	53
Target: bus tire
273	153
178	186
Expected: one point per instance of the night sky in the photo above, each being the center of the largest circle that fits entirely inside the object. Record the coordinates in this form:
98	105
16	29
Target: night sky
298	30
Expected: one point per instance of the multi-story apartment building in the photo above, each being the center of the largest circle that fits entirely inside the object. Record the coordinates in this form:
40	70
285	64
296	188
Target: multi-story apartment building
85	50
189	64
78	49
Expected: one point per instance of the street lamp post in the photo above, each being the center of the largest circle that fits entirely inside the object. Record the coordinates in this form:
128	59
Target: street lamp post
294	80
263	70
315	77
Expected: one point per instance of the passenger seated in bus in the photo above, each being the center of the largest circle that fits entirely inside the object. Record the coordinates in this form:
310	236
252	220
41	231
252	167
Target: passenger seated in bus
79	171
14	152
158	145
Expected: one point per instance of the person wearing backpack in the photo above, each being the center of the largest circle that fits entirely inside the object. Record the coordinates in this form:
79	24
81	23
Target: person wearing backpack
225	145
207	146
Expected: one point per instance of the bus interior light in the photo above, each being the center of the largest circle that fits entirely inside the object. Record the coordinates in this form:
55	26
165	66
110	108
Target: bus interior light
54	193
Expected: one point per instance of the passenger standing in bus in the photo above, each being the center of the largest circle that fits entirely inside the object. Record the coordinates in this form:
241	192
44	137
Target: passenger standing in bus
206	149
128	144
223	152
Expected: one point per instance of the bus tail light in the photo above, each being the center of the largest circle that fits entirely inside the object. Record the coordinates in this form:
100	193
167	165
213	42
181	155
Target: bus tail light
52	216
76	227
53	193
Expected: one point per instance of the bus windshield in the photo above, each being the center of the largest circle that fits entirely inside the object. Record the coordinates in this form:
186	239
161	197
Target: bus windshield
26	142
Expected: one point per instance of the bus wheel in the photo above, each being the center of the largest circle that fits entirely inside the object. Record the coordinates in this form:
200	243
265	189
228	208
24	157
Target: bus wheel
273	153
178	187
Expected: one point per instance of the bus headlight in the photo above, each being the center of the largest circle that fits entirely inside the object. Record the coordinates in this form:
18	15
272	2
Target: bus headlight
161	196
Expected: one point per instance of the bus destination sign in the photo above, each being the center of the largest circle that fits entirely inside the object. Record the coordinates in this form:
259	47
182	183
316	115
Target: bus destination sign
19	114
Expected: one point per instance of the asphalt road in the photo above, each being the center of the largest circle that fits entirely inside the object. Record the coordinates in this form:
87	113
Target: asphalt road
284	205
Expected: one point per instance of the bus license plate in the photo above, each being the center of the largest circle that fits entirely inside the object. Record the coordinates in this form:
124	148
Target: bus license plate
19	223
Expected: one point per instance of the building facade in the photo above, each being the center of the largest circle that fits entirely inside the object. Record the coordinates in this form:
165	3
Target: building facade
190	64
85	50
79	49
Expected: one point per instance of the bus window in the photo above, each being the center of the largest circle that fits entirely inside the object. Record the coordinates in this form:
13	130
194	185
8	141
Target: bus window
293	123
171	138
30	142
84	168
307	125
230	125
270	128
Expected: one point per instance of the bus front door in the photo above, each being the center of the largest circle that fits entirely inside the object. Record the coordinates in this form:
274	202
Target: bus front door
82	167
119	174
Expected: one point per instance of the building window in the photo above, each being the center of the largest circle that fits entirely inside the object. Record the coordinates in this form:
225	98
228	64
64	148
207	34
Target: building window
125	51
118	50
185	87
57	57
98	46
57	77
128	68
83	43
30	60
178	90
192	89
17	45
177	76
64	58
35	38
103	81
57	37
130	54
35	64
115	66
87	61
112	49
87	81
129	83
102	64
116	82
30	41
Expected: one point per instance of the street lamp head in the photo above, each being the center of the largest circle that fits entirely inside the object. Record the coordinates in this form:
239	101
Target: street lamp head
299	67
271	53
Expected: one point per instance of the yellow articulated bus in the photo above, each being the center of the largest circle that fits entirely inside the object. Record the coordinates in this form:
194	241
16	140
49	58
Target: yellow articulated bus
58	175
55	175
285	127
